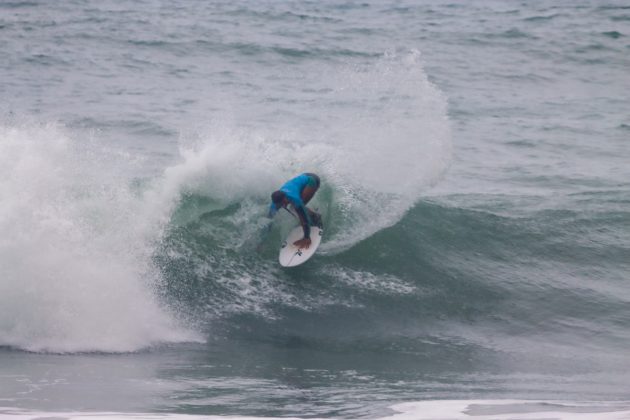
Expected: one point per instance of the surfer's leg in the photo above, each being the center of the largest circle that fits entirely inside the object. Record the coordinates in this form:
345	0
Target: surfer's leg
316	218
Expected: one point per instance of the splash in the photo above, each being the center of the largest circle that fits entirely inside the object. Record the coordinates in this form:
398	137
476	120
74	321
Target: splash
75	272
377	134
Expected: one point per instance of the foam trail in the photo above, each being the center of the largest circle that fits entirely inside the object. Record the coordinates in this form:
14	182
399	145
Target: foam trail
75	272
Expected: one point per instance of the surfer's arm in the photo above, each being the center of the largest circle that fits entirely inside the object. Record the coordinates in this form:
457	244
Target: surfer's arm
272	211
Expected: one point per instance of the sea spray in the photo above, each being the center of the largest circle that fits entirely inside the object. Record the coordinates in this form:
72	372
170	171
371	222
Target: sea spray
75	273
378	135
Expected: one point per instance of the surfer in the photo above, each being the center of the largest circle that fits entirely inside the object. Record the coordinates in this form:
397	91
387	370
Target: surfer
298	192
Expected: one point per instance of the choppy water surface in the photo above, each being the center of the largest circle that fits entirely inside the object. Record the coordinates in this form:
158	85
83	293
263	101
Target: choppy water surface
474	159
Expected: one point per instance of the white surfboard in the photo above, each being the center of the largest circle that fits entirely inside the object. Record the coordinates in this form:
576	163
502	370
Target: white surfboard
291	255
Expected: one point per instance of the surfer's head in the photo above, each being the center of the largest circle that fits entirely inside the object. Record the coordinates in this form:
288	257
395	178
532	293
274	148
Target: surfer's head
278	199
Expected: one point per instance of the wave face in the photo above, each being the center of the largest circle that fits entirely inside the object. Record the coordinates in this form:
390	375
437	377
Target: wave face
446	272
385	140
89	245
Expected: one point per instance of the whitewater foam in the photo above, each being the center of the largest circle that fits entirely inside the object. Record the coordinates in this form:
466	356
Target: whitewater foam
75	261
421	410
383	283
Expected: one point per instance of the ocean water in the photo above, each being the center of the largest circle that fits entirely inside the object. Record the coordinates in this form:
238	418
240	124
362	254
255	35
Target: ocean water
475	166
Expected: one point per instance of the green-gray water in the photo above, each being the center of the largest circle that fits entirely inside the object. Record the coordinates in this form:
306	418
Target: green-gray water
474	163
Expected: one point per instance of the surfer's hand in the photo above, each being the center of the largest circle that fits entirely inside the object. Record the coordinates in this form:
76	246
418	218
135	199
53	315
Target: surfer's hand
303	243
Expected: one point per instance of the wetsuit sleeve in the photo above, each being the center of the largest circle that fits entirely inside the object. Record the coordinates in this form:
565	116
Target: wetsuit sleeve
304	220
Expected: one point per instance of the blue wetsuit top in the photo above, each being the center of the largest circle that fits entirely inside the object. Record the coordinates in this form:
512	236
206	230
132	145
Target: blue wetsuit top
293	191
